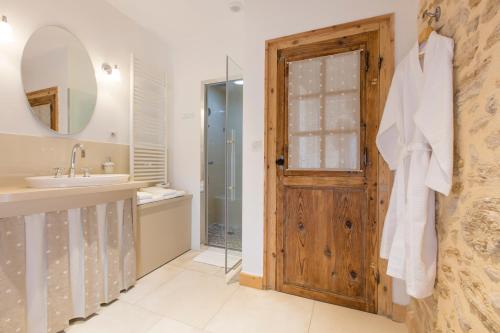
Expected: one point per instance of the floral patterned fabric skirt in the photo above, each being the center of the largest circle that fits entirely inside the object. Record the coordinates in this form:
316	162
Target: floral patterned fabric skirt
61	265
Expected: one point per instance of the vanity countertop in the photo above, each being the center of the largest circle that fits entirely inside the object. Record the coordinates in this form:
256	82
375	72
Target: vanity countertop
17	194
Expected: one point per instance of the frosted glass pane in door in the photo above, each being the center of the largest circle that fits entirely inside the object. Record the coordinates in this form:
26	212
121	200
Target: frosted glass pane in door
342	72
304	115
305	151
324	112
341	151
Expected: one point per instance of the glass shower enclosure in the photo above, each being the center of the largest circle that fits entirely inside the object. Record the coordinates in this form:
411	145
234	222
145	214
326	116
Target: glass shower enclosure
223	164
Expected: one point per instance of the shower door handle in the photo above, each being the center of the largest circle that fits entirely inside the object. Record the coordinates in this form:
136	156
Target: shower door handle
231	142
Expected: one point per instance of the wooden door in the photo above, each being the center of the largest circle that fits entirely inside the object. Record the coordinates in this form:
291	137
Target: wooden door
327	170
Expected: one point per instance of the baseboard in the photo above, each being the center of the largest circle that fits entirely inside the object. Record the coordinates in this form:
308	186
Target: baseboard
251	281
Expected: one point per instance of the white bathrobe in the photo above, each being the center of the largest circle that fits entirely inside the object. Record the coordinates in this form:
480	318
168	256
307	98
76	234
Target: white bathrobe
416	140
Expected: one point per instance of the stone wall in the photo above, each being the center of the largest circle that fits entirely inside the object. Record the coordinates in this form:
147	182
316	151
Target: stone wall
467	292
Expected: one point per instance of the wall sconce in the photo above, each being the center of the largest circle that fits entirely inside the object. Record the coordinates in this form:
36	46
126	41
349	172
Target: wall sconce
113	72
5	30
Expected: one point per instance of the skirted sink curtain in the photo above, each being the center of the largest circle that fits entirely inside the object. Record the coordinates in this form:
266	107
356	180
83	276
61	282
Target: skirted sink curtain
61	265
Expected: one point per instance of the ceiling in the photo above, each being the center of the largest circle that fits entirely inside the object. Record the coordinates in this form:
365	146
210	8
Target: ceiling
184	21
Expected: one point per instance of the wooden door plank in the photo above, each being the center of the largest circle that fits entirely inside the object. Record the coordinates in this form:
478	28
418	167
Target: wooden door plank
270	190
386	42
372	118
348	229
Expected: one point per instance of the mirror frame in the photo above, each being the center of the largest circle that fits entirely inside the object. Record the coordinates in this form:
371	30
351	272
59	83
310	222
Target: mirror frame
26	98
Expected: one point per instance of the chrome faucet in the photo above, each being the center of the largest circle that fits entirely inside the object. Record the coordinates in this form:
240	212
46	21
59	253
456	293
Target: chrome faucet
71	172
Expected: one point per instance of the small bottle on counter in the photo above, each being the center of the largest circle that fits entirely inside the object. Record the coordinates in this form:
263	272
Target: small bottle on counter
108	166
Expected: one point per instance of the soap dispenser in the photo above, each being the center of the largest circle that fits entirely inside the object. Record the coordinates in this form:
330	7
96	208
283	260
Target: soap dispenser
108	166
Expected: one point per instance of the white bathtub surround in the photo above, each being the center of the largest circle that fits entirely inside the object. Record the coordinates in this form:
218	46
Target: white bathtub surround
163	232
75	260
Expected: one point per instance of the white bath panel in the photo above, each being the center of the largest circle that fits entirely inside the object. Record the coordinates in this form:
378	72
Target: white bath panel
215	257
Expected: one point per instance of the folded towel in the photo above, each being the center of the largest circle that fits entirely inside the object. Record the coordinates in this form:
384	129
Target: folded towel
155	197
159	191
144	195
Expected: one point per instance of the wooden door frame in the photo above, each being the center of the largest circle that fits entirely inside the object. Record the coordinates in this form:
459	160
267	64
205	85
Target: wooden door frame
47	96
384	25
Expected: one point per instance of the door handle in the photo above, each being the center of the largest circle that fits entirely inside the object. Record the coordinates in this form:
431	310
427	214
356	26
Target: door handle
280	161
232	165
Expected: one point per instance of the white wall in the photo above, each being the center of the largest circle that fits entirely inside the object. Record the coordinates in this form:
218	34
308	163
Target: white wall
265	19
196	58
108	35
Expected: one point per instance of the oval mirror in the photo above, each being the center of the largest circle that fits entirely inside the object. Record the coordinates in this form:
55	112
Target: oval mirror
59	80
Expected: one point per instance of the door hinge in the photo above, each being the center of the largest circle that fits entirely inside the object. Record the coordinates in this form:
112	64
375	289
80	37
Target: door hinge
380	61
367	60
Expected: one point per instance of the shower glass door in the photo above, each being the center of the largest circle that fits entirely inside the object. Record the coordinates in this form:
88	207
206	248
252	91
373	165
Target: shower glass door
234	124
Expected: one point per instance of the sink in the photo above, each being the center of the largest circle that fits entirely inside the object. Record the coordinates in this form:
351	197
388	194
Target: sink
77	181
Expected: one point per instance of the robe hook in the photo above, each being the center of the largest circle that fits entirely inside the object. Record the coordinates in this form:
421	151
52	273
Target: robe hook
436	15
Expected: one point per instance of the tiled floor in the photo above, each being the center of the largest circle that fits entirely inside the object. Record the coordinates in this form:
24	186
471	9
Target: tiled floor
190	297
